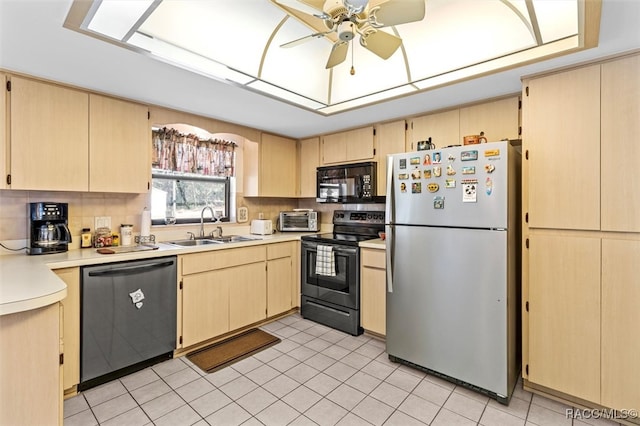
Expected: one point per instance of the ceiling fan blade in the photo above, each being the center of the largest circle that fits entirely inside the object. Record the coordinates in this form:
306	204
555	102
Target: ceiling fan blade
396	12
381	43
316	4
302	6
338	54
304	39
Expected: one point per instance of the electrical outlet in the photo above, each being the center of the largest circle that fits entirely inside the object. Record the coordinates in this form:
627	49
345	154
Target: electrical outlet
103	222
243	214
260	215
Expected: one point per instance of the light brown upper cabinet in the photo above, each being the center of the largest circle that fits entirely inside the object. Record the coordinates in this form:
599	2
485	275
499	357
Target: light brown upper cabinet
49	127
309	160
273	171
620	151
119	146
562	144
498	120
3	131
390	138
347	147
441	127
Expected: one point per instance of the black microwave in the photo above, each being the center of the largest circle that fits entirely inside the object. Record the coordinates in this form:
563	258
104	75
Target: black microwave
347	183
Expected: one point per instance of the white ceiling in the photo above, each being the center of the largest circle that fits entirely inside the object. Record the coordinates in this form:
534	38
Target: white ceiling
33	41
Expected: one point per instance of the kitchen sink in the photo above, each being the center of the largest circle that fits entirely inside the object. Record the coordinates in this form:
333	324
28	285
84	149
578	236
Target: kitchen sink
233	239
193	243
217	240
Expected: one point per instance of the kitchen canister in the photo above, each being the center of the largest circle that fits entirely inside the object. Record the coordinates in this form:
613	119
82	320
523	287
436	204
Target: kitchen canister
126	234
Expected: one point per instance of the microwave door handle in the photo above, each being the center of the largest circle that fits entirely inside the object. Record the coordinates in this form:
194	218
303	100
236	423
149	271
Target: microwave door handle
359	186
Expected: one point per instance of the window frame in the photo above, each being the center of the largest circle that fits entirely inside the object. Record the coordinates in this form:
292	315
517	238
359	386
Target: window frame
189	177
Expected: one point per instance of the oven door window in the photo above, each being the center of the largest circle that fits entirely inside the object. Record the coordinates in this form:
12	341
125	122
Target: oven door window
341	289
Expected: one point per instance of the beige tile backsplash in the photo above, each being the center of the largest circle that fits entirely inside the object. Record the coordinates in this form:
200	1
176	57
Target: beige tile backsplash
122	208
127	208
83	208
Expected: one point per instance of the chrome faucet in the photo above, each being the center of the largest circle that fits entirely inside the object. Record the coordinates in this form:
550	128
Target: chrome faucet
213	219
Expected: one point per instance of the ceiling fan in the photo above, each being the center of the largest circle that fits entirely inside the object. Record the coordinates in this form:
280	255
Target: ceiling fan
344	19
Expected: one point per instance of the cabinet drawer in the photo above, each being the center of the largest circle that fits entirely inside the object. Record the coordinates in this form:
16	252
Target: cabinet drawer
278	250
374	258
219	259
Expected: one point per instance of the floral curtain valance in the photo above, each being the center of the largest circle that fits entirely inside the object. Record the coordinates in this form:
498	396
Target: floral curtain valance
187	153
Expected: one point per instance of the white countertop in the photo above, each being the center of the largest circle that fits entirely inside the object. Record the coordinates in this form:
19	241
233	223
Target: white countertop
27	282
375	244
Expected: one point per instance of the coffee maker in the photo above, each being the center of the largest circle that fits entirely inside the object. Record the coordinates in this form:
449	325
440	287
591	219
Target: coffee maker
48	230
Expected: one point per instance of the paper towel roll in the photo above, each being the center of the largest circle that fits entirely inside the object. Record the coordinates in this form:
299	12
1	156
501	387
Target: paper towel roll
145	225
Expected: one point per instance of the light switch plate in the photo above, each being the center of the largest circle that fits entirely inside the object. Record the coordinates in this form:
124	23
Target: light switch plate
243	214
103	222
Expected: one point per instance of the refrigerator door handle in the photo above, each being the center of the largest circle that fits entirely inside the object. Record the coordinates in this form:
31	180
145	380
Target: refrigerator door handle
390	219
389	208
389	256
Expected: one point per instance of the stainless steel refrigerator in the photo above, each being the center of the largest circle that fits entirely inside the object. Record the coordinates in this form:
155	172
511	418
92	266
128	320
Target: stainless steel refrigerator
453	270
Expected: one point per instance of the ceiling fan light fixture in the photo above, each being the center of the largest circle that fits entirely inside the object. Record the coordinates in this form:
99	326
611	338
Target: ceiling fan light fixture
355	6
346	31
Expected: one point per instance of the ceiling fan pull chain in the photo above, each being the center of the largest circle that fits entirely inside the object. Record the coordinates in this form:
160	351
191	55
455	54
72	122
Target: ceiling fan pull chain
353	70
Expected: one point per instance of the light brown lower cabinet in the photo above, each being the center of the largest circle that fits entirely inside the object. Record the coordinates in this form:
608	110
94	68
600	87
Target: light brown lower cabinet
225	290
620	322
280	277
564	314
71	328
205	305
373	311
247	294
31	388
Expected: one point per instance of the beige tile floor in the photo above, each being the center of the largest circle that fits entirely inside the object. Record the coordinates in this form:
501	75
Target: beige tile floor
314	376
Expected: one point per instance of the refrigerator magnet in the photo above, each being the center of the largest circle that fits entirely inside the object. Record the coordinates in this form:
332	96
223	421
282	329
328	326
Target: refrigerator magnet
437	171
403	163
416	187
414	160
438	203
427	160
488	185
471	170
469	155
437	158
450	183
451	158
492	153
403	176
489	168
469	190
450	170
433	187
415	174
403	187
427	173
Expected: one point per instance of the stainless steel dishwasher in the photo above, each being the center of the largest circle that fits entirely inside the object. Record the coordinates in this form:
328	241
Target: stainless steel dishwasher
128	317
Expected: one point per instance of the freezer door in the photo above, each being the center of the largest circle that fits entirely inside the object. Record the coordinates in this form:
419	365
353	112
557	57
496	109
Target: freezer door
447	310
460	186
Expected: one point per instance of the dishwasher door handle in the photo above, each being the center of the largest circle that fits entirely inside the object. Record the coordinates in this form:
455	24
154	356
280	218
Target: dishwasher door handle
130	270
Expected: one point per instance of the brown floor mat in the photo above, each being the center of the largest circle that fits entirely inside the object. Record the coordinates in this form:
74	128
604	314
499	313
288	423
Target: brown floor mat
233	349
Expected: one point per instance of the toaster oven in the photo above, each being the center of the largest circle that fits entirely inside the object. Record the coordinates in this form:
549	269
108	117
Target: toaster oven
298	221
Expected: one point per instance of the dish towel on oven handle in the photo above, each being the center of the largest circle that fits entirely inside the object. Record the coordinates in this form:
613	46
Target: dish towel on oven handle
325	263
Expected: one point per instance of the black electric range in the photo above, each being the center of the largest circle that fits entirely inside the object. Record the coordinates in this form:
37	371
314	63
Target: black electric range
332	296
